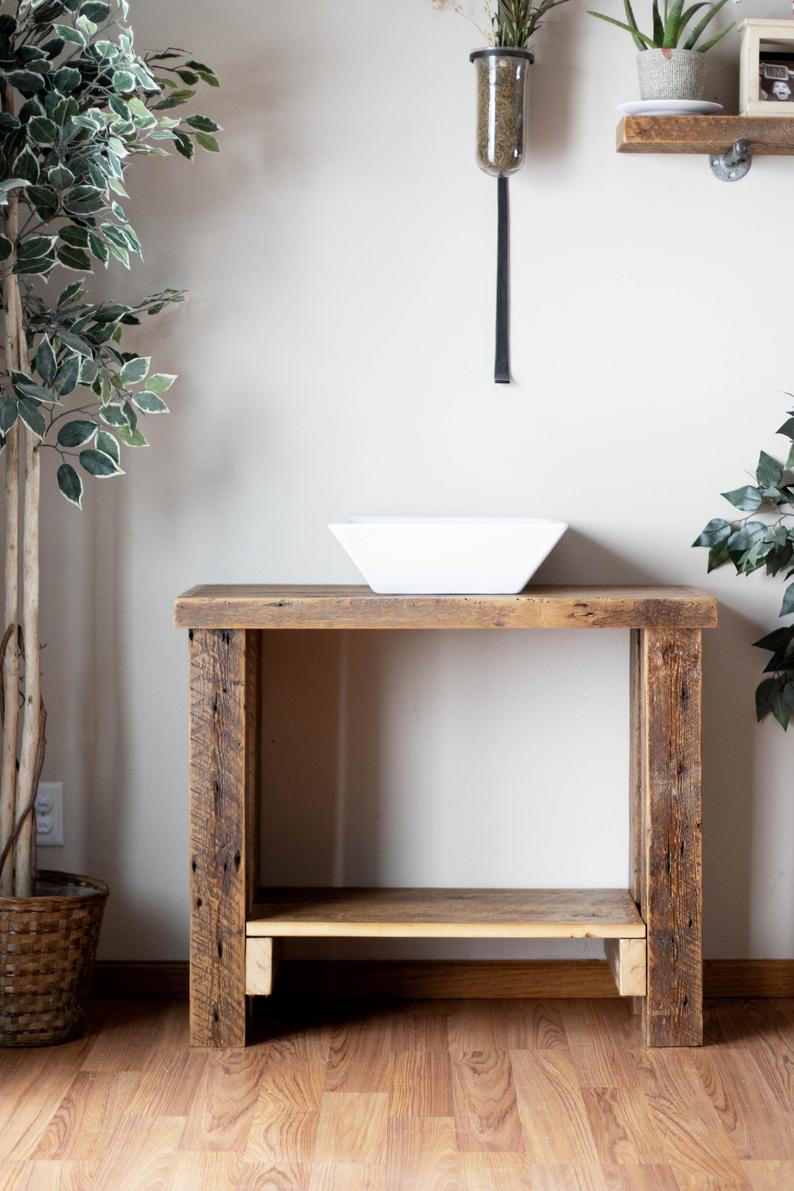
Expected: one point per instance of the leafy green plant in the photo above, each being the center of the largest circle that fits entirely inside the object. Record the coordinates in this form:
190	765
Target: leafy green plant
79	104
670	24
508	23
764	539
516	21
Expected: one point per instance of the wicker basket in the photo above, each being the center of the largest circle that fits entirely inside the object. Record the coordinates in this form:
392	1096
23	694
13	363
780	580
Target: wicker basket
47	948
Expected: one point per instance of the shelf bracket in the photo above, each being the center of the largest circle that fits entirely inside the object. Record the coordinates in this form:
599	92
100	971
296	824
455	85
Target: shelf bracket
733	165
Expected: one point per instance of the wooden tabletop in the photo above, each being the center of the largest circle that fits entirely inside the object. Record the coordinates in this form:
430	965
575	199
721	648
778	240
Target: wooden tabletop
254	606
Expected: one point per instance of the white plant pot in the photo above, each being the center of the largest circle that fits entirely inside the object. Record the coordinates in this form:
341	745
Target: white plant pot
671	74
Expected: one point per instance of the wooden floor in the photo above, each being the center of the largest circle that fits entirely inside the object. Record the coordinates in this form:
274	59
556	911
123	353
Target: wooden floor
409	1096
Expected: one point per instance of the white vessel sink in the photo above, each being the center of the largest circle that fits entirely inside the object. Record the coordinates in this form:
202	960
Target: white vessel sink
448	555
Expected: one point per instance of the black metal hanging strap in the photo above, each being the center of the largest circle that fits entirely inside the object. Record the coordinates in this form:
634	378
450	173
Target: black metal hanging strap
501	373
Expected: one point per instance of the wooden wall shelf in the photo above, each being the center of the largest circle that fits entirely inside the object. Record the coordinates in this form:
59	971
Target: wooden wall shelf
706	134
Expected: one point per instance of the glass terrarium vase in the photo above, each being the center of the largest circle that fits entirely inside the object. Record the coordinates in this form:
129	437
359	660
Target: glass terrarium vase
501	108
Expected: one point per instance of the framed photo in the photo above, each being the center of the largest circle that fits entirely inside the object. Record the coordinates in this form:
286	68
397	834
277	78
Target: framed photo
766	71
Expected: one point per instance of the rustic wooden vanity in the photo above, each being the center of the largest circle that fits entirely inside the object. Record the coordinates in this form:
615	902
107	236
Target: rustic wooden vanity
652	928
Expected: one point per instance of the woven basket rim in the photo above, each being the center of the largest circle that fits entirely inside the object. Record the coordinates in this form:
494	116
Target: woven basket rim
46	904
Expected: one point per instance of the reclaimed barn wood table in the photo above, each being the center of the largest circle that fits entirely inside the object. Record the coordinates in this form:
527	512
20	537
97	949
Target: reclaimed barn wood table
652	929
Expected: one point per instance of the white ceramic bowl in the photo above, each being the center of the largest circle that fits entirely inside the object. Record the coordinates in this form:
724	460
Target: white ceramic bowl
448	555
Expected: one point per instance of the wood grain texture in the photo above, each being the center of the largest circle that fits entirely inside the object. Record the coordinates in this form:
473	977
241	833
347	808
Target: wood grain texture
697	1148
637	779
271	607
446	913
352	1128
443	979
224	702
770	1175
489	1025
636	771
359	1058
745	1103
627	962
141	1154
484	1097
552	1108
60	1175
87	1116
168	1085
672	862
567	1086
204	1171
261	963
284	1125
748	977
422	1152
705	134
226	1101
421	1084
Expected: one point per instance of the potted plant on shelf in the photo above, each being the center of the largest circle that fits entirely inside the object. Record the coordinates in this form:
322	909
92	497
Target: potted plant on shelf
764	539
79	103
671	62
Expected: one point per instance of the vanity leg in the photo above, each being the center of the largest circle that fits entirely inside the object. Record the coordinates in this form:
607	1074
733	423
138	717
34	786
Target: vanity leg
224	708
666	841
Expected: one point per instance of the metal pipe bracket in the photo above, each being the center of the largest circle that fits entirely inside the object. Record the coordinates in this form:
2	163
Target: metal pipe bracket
733	165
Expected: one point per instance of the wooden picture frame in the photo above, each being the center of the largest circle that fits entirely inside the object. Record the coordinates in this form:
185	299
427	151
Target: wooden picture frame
761	35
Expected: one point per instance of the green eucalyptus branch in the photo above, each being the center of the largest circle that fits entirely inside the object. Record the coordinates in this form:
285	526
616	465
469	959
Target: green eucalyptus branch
764	539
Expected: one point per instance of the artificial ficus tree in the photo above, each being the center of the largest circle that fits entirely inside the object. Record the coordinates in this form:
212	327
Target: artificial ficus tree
764	540
79	103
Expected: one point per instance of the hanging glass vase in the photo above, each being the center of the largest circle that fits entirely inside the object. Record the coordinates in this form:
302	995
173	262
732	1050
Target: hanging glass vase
501	108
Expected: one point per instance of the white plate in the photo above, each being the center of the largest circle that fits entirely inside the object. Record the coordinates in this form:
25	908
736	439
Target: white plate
448	555
670	107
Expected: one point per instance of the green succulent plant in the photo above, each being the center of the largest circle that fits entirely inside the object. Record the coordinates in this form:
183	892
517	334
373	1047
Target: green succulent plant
671	23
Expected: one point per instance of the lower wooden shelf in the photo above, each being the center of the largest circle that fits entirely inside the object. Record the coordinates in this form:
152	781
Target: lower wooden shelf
446	914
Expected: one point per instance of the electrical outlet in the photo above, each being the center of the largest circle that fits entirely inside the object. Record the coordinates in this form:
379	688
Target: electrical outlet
49	815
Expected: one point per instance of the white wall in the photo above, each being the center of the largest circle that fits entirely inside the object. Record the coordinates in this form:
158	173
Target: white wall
335	358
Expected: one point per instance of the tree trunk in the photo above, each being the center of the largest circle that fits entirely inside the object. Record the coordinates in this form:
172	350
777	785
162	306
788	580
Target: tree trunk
10	669
27	779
